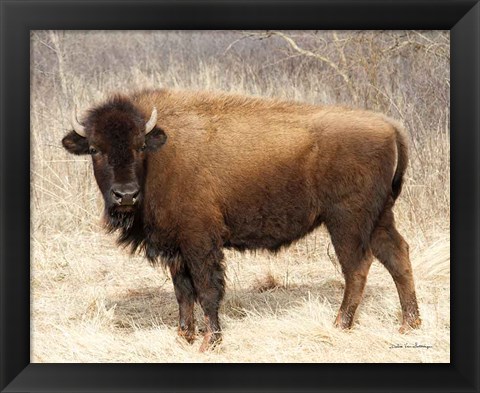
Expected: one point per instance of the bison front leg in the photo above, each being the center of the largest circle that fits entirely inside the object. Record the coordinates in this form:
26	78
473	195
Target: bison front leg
185	293
208	276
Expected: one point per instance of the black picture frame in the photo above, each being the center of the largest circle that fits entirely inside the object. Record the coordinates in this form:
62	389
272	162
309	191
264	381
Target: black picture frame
461	17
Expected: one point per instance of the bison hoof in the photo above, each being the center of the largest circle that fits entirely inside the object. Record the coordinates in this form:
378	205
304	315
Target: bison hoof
187	335
210	341
342	324
410	325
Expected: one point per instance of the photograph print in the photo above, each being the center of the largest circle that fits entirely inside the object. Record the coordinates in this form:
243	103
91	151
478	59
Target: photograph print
240	196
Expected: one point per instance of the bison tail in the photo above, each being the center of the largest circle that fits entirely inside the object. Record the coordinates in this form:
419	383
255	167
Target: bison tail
402	159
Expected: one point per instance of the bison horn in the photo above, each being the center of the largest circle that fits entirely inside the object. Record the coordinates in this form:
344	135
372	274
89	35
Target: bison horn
79	129
152	122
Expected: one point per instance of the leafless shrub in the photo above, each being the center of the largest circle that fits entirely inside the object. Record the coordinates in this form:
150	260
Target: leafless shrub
266	283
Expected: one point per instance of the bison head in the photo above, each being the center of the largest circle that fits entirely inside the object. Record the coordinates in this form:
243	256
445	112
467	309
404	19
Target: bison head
119	138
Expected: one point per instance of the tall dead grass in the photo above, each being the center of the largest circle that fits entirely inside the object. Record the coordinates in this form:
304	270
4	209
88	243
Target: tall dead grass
91	302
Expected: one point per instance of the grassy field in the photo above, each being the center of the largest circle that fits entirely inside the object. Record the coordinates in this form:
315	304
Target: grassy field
92	302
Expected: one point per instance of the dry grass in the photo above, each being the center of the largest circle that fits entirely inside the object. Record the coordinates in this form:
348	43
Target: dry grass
92	302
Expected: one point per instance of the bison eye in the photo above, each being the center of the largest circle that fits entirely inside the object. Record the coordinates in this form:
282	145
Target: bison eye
144	146
92	150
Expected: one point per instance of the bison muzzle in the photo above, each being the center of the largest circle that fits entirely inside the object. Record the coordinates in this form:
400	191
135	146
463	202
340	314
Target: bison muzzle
186	174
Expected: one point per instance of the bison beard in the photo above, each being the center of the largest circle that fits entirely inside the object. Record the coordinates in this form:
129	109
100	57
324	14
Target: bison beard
118	219
249	173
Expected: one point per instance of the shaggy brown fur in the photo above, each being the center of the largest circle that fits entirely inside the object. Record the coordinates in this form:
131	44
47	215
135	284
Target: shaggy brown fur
224	170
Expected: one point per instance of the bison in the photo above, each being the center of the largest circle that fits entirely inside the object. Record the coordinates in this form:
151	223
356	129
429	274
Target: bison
186	174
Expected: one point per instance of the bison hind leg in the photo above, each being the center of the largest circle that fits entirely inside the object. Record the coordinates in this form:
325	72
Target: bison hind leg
355	267
355	260
392	251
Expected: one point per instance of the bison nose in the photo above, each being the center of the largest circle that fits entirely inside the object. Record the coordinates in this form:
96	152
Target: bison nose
125	194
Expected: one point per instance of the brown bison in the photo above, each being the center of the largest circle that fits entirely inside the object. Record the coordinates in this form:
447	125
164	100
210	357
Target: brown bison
185	174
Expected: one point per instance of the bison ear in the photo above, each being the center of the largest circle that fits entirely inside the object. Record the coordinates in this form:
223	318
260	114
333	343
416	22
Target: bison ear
75	143
155	139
